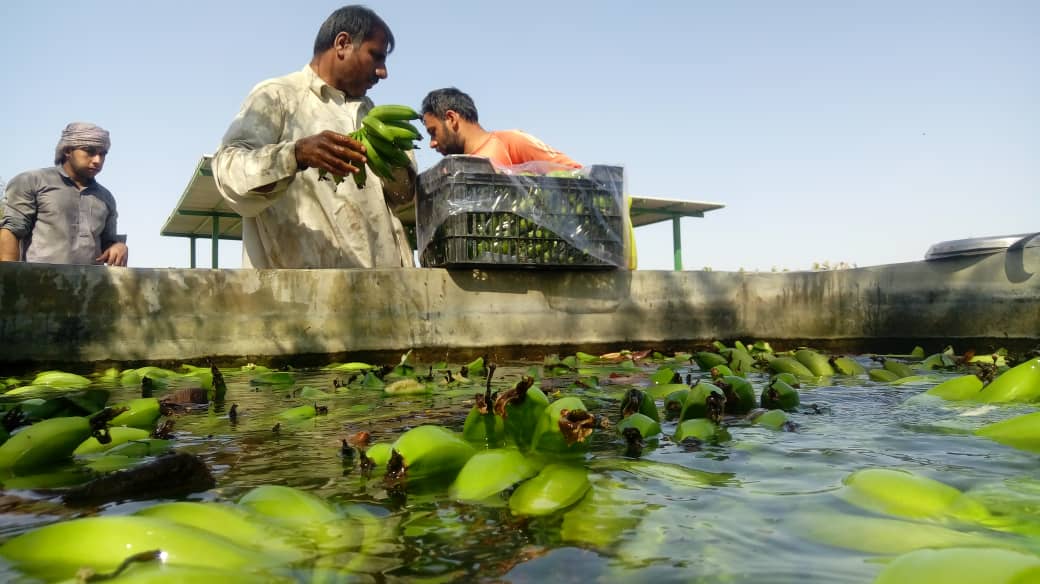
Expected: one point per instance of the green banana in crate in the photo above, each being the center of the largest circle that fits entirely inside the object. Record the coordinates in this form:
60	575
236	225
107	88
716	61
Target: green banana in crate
779	396
491	472
388	151
705	400
814	362
45	442
427	452
520	408
375	159
636	401
564	427
847	366
556	487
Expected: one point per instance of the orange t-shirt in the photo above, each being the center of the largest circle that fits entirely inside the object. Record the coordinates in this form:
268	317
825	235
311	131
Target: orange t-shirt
510	147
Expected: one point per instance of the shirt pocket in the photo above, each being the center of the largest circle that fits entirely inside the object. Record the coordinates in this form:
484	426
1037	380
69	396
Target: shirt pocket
93	216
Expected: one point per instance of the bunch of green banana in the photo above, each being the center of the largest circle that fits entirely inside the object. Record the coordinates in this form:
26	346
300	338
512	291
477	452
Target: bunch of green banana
386	134
779	396
427	452
847	366
44	443
814	362
636	401
491	472
520	408
564	427
740	395
705	400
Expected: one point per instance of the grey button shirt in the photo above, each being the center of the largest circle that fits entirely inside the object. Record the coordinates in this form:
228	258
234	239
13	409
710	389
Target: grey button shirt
55	221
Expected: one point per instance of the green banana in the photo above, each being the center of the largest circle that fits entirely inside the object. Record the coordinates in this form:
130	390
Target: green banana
790	365
102	543
406	127
701	429
740	394
563	428
907	495
388	131
1018	384
375	161
1019	432
388	151
556	487
847	366
707	359
427	452
379	453
520	408
779	396
231	521
490	472
140	413
645	425
740	360
61	379
899	368
814	362
391	112
882	375
117	435
960	565
775	419
673	402
43	443
965	387
635	401
705	400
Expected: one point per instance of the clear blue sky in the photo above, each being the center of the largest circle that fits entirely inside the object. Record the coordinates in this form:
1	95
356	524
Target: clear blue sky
850	131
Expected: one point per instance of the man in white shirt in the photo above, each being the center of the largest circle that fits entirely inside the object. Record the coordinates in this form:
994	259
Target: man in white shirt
292	127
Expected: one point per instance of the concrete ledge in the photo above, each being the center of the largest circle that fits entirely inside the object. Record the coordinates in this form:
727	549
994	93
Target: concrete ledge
71	314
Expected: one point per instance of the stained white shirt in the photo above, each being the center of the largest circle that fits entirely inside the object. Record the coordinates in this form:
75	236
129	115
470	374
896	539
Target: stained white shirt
303	222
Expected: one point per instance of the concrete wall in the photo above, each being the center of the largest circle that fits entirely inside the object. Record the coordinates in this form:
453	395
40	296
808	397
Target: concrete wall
69	314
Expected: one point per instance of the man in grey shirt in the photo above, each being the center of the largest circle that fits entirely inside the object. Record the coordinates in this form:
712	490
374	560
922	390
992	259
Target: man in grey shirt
60	214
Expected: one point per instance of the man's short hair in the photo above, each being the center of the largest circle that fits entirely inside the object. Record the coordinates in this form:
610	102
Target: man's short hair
357	21
439	101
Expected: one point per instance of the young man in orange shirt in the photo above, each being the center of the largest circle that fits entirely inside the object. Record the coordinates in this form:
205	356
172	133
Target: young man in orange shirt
450	118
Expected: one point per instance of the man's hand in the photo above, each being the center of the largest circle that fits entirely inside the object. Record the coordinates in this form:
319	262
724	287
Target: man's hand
115	255
339	154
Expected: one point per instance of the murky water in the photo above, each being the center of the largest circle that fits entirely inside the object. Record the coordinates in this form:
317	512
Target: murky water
734	511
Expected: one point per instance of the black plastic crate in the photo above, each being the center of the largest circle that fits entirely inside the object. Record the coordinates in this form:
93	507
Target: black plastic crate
481	229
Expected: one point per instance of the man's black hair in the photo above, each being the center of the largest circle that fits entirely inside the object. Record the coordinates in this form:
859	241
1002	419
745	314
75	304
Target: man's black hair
439	101
357	21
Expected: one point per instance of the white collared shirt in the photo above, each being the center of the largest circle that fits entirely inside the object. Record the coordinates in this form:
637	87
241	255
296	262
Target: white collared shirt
303	222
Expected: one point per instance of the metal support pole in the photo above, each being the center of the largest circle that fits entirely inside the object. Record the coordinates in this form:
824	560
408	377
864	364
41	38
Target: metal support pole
677	243
192	239
216	238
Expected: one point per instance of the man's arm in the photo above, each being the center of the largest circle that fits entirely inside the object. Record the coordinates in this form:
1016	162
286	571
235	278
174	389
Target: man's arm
10	246
19	215
114	245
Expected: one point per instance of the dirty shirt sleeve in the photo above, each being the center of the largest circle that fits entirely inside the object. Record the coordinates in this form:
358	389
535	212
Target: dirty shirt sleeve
19	213
256	163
